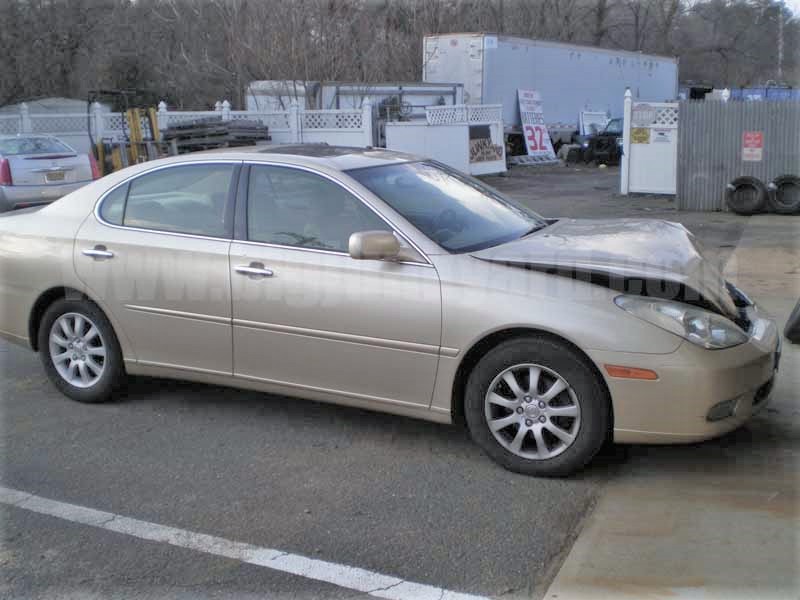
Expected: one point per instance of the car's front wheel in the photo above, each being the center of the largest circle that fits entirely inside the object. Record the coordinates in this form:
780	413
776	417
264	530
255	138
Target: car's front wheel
79	350
537	407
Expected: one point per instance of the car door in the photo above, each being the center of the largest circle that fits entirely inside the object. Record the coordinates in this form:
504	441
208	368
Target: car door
308	316
155	255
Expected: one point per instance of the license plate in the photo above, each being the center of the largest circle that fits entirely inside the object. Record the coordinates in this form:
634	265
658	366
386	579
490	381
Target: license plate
54	176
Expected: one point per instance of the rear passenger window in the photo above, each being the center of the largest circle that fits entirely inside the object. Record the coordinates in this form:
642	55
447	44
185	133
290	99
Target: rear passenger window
183	199
291	207
113	206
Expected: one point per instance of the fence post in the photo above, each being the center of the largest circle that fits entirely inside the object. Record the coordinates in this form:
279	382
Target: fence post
97	114
25	119
163	117
294	122
626	144
226	110
366	122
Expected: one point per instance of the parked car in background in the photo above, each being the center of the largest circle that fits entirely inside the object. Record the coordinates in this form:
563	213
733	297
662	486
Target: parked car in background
604	146
37	169
390	282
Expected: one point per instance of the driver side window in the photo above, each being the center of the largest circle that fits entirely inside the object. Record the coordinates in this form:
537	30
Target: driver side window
291	207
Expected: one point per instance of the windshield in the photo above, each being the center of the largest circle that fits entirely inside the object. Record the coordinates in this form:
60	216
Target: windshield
33	145
614	126
455	211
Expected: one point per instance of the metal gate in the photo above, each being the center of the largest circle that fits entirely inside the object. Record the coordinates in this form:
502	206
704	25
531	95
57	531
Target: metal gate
720	141
649	147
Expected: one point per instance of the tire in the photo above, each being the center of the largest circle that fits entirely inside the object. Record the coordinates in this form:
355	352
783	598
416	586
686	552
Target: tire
100	350
792	329
784	195
746	195
554	360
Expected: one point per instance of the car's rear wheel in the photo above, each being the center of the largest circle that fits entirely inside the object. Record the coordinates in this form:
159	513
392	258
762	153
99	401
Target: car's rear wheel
537	407
79	351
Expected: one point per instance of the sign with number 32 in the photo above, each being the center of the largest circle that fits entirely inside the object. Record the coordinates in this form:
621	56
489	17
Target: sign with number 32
537	138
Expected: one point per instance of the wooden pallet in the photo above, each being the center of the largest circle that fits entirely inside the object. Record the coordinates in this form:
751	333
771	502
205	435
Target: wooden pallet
211	132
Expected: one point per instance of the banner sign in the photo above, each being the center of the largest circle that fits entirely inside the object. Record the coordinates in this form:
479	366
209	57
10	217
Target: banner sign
537	139
592	122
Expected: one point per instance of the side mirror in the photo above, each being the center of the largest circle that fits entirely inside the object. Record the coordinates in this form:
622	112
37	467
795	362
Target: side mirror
374	245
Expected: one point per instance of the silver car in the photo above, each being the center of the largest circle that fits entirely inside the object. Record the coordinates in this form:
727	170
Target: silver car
38	169
385	281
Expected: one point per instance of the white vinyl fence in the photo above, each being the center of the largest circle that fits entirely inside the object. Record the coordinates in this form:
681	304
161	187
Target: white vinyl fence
649	147
468	137
348	127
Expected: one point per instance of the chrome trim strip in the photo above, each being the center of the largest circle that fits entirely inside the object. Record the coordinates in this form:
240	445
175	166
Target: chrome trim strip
50	186
15	339
234	376
340	337
99	203
282	246
340	393
251	162
148	363
449	352
179	314
333	252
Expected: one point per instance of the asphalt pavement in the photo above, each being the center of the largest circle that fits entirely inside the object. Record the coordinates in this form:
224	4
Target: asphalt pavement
396	496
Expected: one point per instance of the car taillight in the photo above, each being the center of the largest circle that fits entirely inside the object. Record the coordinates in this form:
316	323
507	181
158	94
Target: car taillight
5	172
96	174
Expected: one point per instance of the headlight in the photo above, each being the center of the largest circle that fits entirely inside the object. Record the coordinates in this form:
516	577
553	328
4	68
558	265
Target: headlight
699	326
585	144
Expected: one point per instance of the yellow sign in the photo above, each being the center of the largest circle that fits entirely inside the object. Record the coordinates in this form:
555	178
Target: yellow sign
640	135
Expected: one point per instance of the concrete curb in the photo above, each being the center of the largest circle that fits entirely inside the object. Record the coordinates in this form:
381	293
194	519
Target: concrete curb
718	520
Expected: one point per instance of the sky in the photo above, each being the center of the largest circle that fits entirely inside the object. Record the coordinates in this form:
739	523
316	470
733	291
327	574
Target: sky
794	5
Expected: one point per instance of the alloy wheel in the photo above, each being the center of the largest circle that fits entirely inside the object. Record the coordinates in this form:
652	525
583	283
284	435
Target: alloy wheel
77	350
532	411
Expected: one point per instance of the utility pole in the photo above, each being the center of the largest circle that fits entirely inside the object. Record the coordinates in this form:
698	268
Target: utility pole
780	41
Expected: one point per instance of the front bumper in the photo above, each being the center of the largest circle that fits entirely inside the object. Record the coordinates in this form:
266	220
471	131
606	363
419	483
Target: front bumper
691	381
13	197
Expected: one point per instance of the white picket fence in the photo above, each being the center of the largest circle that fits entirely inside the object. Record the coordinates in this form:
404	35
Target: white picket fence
347	127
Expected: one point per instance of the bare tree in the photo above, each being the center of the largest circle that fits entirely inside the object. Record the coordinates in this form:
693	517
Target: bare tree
194	52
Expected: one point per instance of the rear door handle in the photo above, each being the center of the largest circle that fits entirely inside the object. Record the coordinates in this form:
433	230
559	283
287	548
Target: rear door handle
254	269
98	252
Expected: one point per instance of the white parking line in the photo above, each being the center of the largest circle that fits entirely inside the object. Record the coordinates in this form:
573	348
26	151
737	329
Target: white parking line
353	578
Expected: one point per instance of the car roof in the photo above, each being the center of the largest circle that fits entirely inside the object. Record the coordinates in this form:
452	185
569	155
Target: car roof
25	136
341	158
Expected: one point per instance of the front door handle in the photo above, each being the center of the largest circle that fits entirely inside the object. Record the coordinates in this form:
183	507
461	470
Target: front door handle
98	252
255	270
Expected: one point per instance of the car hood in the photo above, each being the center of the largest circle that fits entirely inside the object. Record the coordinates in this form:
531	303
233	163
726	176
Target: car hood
655	254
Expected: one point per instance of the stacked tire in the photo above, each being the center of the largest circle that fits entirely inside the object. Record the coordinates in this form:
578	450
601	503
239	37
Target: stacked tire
749	196
784	195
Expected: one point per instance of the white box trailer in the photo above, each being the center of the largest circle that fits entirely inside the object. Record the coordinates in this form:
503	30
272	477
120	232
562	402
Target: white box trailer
402	99
570	78
399	100
391	101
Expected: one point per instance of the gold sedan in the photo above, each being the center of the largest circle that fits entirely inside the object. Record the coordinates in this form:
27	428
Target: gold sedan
381	280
